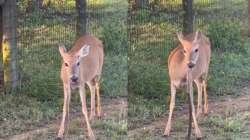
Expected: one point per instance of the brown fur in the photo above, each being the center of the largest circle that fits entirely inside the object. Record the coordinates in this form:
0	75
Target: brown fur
88	72
178	70
178	61
91	65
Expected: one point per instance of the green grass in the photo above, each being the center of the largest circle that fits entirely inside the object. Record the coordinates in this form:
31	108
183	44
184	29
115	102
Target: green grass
223	125
144	111
229	123
20	112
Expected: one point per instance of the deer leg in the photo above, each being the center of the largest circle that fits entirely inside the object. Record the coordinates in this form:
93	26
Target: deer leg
92	104
65	117
99	111
205	97
171	108
85	112
197	130
199	100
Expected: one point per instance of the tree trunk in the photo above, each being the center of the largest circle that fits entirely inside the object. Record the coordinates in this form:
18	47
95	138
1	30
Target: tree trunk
1	53
248	16
32	5
188	16
9	49
81	24
141	3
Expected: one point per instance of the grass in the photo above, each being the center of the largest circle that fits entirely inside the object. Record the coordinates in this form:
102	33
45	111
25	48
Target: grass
20	114
227	120
144	111
113	124
40	97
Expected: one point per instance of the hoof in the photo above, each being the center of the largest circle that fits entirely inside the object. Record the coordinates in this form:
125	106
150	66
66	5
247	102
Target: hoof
100	115
205	113
167	130
166	137
166	134
199	138
58	138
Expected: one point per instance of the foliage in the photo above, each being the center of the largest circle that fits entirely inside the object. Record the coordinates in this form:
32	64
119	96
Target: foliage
226	36
26	6
114	37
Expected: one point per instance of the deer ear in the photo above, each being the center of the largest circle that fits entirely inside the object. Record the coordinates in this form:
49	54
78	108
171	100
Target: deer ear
62	49
84	51
180	37
197	36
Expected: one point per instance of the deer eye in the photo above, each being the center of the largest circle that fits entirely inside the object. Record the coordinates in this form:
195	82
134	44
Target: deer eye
66	64
196	50
78	64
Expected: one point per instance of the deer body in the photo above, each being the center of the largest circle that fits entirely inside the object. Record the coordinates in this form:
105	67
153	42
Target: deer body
91	65
81	65
192	55
178	68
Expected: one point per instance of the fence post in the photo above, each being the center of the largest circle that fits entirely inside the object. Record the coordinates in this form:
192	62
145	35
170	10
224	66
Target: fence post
248	17
1	53
188	16
81	24
9	48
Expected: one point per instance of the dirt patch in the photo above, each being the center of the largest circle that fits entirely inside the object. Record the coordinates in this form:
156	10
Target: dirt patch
113	109
224	107
113	124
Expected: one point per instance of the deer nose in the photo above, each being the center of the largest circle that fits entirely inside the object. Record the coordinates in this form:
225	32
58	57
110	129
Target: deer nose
190	65
74	79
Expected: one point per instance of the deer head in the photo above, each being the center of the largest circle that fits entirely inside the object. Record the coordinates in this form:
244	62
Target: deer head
190	49
72	62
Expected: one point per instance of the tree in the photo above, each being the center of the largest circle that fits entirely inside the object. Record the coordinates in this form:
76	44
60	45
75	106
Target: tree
248	16
138	4
9	50
188	16
1	54
81	25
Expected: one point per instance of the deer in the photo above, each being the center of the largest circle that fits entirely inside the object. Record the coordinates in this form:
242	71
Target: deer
82	65
189	61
